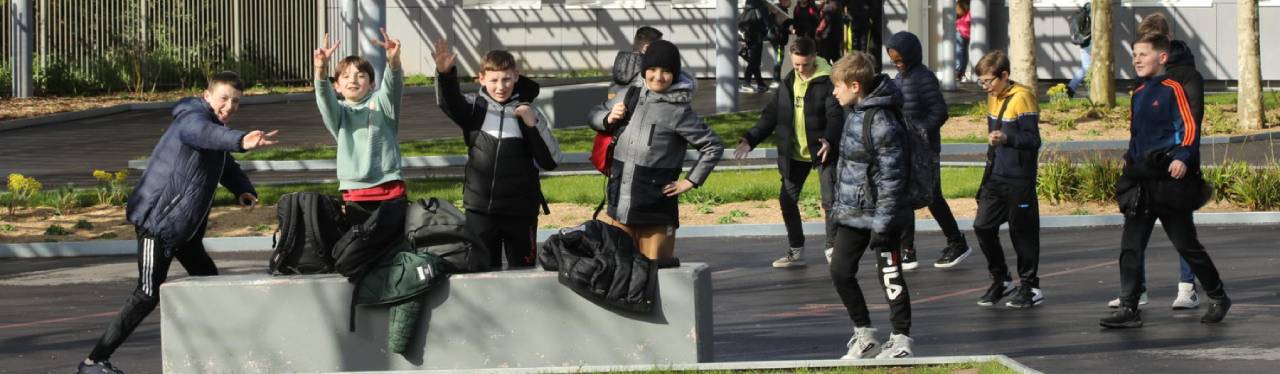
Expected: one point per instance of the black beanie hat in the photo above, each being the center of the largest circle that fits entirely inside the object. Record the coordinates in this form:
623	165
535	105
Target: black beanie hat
662	53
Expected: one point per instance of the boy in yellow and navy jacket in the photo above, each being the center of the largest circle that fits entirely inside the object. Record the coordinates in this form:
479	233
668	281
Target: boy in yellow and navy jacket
1008	190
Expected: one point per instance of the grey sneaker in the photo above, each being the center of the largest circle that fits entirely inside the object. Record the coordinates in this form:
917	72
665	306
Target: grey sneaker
863	344
103	367
794	257
1115	303
898	346
1187	297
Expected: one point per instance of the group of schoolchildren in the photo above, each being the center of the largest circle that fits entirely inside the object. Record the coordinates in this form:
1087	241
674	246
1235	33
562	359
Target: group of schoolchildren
817	119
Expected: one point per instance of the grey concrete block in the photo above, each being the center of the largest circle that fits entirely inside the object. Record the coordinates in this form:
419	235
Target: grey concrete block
258	323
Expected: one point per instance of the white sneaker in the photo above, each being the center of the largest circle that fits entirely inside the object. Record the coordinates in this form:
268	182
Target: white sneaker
828	252
898	346
1115	303
794	257
1188	298
863	344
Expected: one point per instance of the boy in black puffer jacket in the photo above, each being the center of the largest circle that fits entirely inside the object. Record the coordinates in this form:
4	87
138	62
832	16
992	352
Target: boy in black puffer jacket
509	142
871	181
924	106
170	206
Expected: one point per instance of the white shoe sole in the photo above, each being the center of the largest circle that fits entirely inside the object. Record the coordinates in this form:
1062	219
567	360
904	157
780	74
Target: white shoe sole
793	264
910	265
954	262
868	354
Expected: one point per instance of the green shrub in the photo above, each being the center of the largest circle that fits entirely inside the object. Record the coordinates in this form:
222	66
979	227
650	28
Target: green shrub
83	225
1218	119
1223	177
1064	122
1096	179
56	230
1056	181
6	78
1259	190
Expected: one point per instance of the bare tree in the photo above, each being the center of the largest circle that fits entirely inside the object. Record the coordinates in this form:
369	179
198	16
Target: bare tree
1102	76
1022	42
1249	102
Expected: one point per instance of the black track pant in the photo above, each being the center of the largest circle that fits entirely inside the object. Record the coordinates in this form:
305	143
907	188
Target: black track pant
1182	232
789	200
1015	203
850	244
942	213
513	235
755	55
154	258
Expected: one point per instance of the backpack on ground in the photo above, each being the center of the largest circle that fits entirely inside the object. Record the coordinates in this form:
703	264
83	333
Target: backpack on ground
602	147
437	227
369	241
309	225
1081	25
922	164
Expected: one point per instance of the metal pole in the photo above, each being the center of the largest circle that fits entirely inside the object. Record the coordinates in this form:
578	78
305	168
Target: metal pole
979	43
373	15
947	48
726	56
350	26
22	46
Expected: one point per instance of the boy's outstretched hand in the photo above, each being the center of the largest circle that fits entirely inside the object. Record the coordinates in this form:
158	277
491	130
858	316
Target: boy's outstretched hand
320	57
391	45
527	116
444	58
258	139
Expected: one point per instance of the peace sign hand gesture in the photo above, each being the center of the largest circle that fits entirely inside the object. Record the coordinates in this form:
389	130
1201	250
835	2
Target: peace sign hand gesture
391	45
444	58
321	55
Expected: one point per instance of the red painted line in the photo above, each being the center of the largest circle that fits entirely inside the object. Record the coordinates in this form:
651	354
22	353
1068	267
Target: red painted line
56	320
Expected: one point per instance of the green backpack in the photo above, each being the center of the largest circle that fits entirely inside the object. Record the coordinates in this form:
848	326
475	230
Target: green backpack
398	279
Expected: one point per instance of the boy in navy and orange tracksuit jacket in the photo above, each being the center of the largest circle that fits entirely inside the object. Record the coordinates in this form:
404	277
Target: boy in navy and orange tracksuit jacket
1163	159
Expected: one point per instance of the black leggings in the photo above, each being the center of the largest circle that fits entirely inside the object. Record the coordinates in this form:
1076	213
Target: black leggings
850	244
154	258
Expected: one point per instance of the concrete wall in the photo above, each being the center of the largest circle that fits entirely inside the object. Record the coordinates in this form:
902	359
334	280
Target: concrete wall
554	39
264	324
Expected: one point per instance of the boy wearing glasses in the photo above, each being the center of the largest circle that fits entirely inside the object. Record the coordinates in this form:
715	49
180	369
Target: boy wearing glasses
1008	189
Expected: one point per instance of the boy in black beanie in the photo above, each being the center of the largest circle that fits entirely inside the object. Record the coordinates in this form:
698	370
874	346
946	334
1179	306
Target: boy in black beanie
651	148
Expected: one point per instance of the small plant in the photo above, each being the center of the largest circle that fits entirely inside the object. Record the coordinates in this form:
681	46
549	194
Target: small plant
8	228
738	214
1080	212
1094	132
1058	96
107	235
1064	123
705	209
260	227
1260	190
1224	177
1219	119
703	197
111	186
21	189
56	230
812	207
83	225
979	110
726	220
1096	180
1056	180
68	198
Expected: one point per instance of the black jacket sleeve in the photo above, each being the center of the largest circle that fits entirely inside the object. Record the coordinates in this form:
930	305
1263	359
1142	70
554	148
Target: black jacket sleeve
450	99
234	179
767	123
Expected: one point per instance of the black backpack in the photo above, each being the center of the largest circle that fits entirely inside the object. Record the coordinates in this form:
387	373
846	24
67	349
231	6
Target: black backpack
369	241
922	163
437	227
310	224
1081	24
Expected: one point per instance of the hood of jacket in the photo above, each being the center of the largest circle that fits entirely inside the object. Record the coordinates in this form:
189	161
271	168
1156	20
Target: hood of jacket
885	95
907	45
1180	55
680	92
525	91
194	105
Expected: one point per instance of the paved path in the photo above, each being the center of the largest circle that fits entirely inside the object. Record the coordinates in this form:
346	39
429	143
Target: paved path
54	309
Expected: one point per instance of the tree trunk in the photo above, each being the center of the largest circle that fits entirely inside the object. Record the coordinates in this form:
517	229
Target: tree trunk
1022	43
1249	104
1102	76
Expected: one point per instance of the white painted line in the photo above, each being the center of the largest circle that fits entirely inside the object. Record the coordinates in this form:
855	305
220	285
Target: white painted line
748	365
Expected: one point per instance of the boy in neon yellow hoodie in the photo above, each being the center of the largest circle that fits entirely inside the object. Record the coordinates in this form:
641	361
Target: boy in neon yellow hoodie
365	125
800	124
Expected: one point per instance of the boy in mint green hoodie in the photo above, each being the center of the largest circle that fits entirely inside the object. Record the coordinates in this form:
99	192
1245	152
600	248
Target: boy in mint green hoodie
365	125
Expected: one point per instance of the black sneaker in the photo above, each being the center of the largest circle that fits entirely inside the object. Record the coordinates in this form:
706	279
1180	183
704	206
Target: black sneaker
103	367
952	257
909	259
998	290
1125	318
1217	310
1026	297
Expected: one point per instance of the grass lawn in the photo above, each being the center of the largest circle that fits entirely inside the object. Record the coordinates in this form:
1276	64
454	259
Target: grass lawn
724	186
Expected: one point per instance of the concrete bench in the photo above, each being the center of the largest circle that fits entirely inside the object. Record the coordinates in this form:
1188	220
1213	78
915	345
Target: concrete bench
259	323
